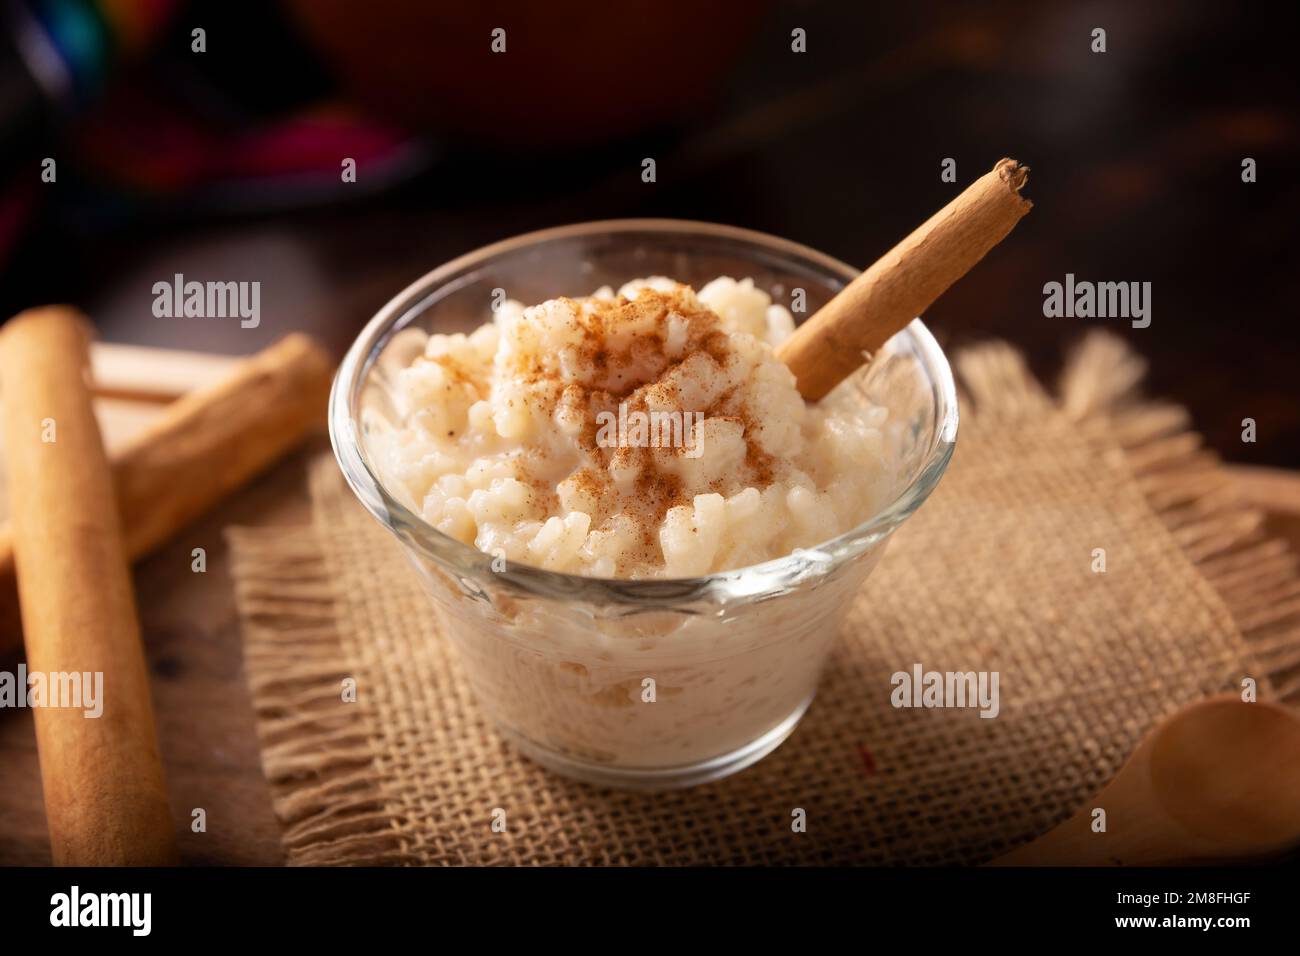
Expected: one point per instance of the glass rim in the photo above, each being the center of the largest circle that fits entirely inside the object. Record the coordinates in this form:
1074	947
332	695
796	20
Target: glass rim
751	581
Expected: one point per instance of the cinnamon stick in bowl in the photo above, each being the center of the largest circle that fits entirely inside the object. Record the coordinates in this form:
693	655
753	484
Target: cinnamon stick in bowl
905	281
105	799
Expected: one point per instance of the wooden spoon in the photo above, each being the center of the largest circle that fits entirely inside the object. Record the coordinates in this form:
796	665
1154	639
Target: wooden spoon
1219	779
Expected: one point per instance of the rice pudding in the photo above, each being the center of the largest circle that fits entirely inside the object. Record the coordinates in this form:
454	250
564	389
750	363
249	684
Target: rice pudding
645	433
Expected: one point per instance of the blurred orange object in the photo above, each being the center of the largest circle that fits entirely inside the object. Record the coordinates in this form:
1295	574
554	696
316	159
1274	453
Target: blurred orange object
573	71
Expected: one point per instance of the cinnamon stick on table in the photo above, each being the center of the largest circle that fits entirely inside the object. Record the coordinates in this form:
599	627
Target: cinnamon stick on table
905	281
200	449
105	800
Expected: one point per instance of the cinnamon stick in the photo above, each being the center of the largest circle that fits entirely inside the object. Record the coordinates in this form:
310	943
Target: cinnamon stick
204	446
141	374
903	283
105	799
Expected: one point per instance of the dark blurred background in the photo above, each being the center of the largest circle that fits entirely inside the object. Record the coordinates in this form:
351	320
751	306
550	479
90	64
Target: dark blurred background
225	164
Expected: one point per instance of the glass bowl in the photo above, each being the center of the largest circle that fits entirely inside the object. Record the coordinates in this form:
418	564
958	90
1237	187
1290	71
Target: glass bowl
639	683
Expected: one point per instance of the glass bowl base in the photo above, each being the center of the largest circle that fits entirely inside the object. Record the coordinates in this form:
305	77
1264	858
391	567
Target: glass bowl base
659	778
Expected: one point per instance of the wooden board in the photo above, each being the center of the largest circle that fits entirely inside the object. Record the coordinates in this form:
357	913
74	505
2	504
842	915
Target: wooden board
205	719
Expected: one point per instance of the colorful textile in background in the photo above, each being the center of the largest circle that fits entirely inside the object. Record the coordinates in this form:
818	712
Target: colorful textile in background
148	149
132	140
73	45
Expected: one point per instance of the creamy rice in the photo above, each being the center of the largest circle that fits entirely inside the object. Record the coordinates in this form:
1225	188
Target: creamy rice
521	438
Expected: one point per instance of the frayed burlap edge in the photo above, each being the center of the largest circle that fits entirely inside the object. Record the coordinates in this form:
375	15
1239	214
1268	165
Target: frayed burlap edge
319	762
317	757
1256	576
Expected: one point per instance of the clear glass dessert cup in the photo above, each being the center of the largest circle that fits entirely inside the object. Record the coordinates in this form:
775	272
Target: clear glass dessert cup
644	684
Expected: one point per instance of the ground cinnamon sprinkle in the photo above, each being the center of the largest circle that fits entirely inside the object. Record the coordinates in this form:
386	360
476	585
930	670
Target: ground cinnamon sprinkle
657	491
610	354
632	422
589	482
636	366
455	371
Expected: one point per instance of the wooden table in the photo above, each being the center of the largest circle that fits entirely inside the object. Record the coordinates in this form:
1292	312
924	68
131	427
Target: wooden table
1136	158
205	719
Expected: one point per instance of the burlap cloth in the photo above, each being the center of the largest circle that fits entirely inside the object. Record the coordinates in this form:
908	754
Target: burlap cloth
994	573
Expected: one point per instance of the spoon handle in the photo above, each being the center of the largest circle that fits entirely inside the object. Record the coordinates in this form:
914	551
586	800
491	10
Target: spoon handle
1135	842
1218	780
